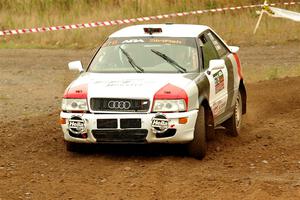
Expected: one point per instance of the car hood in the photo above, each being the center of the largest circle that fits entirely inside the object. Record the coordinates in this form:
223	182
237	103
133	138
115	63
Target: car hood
129	85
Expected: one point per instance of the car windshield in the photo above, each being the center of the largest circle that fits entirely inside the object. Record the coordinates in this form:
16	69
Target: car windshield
146	55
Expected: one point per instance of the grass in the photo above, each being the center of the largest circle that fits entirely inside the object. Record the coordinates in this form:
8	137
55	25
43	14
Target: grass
235	27
270	72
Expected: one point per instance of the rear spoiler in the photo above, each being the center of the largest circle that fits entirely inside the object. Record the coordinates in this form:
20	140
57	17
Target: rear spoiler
233	49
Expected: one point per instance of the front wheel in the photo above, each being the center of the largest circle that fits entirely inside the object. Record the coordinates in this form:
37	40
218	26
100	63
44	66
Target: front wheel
198	147
234	123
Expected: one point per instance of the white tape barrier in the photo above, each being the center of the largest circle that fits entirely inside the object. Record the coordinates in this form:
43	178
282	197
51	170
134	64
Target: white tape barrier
132	20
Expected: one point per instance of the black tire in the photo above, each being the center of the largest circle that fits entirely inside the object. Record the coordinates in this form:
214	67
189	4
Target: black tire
198	147
209	125
234	123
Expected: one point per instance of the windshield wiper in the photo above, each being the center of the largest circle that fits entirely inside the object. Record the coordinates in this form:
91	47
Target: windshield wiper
170	60
131	62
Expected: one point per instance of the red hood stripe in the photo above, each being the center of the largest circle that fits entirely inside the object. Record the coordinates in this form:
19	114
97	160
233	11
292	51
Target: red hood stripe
170	91
76	92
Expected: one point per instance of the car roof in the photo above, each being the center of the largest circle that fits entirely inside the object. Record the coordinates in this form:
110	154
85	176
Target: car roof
168	30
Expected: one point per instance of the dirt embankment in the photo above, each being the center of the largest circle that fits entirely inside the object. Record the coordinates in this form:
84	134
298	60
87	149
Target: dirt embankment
262	163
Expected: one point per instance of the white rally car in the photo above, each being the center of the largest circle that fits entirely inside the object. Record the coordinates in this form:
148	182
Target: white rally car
158	83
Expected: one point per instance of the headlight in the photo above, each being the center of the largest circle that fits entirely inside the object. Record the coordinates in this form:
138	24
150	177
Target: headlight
169	105
74	105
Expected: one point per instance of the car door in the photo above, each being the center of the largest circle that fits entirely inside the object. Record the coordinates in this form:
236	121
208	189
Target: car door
217	75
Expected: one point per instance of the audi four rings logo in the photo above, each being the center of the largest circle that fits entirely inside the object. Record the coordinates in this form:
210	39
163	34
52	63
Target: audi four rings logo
121	105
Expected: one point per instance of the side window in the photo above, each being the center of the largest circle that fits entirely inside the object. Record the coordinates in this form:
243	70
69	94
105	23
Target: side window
208	50
218	44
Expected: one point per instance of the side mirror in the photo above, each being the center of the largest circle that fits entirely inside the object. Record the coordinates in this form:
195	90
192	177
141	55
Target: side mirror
76	65
217	64
234	49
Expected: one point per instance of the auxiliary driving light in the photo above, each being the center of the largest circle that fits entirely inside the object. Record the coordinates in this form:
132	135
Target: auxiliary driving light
62	121
183	120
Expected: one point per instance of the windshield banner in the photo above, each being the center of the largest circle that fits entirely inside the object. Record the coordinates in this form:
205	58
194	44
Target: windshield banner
153	40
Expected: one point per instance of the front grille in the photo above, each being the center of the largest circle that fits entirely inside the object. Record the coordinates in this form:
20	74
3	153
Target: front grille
119	105
130	123
107	123
121	136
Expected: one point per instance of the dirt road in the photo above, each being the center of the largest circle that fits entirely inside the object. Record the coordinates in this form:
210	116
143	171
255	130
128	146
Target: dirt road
262	163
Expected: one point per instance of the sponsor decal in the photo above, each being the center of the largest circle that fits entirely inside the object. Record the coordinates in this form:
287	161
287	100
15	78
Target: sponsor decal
165	41
133	41
124	83
160	40
219	81
219	107
77	125
160	123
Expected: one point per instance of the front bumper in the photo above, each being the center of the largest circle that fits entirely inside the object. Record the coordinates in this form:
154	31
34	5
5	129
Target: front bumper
184	132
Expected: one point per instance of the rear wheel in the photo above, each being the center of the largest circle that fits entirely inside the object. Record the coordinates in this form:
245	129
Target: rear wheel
198	147
234	123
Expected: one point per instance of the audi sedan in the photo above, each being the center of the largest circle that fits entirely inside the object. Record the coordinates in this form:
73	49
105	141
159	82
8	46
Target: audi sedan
158	83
